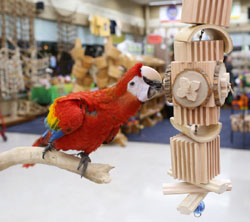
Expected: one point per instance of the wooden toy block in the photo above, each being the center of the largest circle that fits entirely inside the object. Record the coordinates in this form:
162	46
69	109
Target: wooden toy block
87	62
216	12
112	81
191	88
87	81
102	72
194	162
198	133
102	82
214	83
79	72
217	186
115	71
191	202
113	52
204	116
212	50
101	62
214	33
207	70
207	67
77	52
185	188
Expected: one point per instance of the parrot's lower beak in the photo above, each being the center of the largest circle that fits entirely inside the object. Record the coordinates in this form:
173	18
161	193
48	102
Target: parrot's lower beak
153	79
154	91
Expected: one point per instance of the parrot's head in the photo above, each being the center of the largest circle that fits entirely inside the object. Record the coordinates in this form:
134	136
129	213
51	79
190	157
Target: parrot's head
141	81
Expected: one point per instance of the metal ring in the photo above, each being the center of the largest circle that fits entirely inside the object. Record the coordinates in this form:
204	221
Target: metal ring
197	215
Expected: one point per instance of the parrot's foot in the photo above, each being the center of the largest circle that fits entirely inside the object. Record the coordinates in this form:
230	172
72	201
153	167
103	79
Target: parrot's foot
49	147
84	161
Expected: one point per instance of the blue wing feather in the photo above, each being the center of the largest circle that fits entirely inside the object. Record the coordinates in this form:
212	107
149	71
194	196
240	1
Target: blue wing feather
55	133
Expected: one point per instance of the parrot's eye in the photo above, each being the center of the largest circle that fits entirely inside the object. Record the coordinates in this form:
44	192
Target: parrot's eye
132	83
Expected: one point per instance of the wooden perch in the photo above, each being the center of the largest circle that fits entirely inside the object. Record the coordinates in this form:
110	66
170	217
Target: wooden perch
98	173
183	188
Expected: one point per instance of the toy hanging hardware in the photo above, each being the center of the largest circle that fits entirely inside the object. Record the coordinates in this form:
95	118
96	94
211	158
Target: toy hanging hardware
200	37
199	210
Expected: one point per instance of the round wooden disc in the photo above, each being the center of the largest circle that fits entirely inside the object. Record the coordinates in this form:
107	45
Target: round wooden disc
221	82
167	84
191	88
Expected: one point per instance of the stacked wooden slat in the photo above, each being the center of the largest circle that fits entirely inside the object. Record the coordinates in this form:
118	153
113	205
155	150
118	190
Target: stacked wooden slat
207	12
211	50
200	116
194	162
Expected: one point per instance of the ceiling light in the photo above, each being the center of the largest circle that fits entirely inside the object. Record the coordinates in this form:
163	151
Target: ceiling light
165	3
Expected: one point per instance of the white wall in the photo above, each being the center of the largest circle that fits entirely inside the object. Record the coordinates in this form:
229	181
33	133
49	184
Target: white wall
126	12
46	30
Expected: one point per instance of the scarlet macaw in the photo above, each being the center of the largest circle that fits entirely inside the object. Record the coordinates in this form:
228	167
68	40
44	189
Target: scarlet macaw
83	121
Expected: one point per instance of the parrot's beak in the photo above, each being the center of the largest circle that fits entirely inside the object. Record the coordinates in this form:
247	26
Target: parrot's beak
153	79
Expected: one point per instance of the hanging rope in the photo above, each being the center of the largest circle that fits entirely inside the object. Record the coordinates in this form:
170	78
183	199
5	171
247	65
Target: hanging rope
66	31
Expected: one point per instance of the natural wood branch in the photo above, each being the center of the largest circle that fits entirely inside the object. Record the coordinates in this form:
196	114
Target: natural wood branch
98	173
183	188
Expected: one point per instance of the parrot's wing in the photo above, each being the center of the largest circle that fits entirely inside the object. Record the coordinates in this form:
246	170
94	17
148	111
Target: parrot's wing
64	117
112	135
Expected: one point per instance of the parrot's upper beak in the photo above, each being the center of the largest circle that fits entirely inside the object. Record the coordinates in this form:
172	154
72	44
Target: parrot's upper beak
153	79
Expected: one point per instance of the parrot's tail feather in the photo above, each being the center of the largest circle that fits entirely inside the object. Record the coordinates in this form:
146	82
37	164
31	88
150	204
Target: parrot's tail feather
27	165
41	142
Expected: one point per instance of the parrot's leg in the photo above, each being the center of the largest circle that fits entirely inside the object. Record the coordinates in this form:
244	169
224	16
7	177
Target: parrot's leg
84	161
49	147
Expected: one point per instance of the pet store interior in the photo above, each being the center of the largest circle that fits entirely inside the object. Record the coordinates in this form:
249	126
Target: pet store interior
132	111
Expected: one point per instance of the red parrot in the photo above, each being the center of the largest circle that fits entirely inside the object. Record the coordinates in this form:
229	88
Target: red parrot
83	121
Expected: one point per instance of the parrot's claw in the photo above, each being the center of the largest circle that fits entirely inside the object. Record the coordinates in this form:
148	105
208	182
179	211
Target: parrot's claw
49	147
84	161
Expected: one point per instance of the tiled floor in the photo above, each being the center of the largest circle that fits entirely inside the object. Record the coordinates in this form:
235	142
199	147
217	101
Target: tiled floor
48	194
